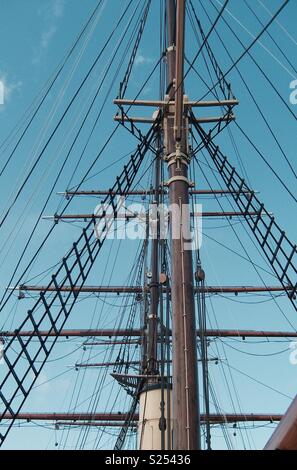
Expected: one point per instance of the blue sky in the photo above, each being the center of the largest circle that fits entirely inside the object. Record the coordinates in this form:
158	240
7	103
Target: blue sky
35	35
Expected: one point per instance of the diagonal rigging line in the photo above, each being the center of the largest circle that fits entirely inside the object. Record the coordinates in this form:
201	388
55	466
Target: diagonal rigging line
218	72
204	42
258	381
214	63
4	301
279	24
139	136
123	433
51	83
86	174
228	248
258	36
266	161
259	42
256	267
123	309
85	119
141	28
65	113
247	49
250	92
75	405
200	49
111	61
124	82
75	273
278	249
124	306
272	39
17	222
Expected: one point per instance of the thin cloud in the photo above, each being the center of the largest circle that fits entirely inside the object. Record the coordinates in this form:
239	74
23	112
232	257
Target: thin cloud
58	8
51	14
7	88
142	60
52	9
1	92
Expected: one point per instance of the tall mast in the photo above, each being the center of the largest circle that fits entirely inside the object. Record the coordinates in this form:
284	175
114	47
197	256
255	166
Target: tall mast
44	323
186	435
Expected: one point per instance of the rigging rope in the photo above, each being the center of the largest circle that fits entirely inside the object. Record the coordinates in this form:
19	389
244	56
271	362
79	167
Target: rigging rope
249	90
51	84
26	179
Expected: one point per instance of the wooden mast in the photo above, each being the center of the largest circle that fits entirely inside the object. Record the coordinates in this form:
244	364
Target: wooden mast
186	435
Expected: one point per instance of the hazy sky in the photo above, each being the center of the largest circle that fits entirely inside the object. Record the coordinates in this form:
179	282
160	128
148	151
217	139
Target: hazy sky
35	36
